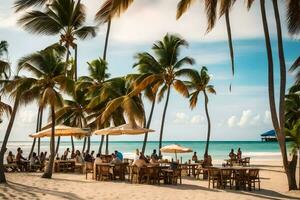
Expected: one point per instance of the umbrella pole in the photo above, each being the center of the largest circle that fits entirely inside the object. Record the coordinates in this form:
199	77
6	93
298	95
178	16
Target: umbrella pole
175	156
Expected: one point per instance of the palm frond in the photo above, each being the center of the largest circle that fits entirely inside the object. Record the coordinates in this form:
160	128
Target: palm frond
182	7
181	88
293	17
211	13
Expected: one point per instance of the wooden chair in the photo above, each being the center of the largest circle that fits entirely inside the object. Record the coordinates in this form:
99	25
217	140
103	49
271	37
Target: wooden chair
119	171
253	178
176	175
240	178
154	175
200	170
246	161
134	173
89	168
226	178
104	173
214	176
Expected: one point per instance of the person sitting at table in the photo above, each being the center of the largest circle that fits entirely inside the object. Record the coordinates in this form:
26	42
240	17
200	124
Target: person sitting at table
34	160
143	157
207	162
119	155
239	154
154	155
136	155
10	158
232	155
20	160
78	157
140	162
88	157
65	155
115	159
73	155
92	155
195	157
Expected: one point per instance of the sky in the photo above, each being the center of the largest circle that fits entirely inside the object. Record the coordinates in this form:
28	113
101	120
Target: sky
242	114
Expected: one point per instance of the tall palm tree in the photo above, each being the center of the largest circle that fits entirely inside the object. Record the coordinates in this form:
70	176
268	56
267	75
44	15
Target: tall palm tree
200	83
166	71
93	83
110	9
211	15
48	73
63	17
15	88
278	122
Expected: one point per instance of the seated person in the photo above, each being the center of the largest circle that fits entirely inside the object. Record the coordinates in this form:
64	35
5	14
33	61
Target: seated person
207	162
140	162
115	160
65	155
78	157
10	158
73	155
143	157
92	155
239	154
119	155
88	157
232	155
195	158
34	160
20	160
154	155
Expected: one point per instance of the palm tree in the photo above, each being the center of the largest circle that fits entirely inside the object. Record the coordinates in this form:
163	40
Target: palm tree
74	112
211	15
200	83
15	88
278	122
63	17
109	10
166	71
48	70
94	82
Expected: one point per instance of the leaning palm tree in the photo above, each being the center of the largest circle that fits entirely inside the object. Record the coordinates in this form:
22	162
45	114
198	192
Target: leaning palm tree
109	10
211	15
200	83
166	71
15	88
63	17
48	73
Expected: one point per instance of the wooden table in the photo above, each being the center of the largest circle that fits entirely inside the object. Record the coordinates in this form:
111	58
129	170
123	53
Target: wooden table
191	168
64	165
168	173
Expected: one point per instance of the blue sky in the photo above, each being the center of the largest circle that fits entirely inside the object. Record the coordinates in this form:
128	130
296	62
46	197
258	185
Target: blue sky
240	115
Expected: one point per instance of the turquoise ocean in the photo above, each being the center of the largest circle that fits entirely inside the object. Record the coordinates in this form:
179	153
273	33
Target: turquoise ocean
219	150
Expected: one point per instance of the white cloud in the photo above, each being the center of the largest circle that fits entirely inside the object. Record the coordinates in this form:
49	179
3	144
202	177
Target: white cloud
197	119
246	116
267	117
181	118
232	121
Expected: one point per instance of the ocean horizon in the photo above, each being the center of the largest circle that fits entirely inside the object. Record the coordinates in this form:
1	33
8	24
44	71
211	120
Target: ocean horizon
219	150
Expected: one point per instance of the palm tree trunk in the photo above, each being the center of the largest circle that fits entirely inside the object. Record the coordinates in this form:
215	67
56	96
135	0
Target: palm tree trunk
72	143
208	124
106	147
84	144
290	173
5	140
88	143
75	63
36	130
48	171
163	120
106	39
279	130
230	43
57	145
148	125
40	128
101	144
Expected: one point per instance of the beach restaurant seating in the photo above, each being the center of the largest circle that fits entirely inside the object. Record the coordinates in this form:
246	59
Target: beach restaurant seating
226	178
103	173
253	178
214	177
89	168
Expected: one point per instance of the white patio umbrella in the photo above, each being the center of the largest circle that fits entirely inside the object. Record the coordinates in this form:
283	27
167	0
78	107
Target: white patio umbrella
61	130
175	148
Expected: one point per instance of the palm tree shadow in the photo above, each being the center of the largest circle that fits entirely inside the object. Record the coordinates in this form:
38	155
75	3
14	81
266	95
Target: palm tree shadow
33	190
265	194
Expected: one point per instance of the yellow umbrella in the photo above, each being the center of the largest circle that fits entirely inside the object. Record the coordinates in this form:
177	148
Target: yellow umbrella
61	130
125	129
175	148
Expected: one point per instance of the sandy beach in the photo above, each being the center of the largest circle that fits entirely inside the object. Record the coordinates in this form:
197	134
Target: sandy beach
75	186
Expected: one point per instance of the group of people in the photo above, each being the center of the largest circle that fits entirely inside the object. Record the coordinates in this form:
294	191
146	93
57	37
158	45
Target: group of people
22	162
207	161
236	156
78	156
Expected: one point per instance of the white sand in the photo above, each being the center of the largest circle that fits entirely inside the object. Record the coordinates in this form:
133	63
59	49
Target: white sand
75	186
